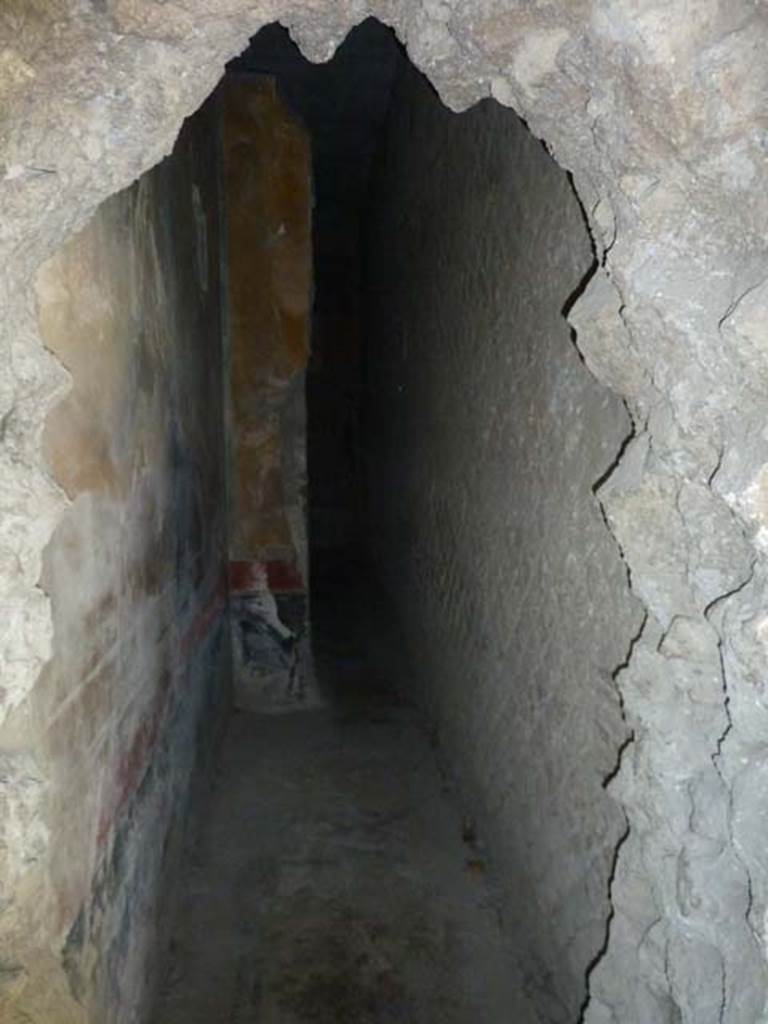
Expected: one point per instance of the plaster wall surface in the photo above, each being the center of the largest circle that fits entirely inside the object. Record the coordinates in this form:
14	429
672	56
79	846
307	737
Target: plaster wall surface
486	433
268	181
658	110
128	705
342	105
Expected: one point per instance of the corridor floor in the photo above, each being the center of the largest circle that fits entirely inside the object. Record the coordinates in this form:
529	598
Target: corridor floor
333	881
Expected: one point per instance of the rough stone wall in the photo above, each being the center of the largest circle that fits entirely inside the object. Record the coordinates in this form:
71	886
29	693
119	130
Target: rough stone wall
128	704
486	434
267	177
658	110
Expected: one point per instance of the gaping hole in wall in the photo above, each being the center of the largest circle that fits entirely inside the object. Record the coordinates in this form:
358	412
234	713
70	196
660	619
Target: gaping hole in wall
407	543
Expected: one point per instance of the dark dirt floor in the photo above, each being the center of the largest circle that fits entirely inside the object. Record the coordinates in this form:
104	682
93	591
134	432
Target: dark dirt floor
334	880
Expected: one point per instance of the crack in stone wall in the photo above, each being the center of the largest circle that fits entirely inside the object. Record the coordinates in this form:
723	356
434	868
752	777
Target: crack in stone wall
657	110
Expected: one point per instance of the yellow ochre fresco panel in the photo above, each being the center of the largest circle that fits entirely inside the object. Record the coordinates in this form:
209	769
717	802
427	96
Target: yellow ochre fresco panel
267	160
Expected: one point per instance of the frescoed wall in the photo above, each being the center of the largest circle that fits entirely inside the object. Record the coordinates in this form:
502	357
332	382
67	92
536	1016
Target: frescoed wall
130	704
267	174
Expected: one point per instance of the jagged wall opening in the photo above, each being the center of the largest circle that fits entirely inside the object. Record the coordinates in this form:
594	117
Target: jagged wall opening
656	112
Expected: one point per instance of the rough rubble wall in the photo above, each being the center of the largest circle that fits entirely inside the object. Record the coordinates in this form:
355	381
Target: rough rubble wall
267	177
486	433
136	575
657	109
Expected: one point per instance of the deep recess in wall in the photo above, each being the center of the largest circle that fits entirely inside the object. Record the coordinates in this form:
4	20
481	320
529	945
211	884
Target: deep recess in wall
451	537
115	670
455	441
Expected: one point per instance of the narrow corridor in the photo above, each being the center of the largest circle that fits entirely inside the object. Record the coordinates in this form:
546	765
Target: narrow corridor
334	880
383	576
404	390
336	615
